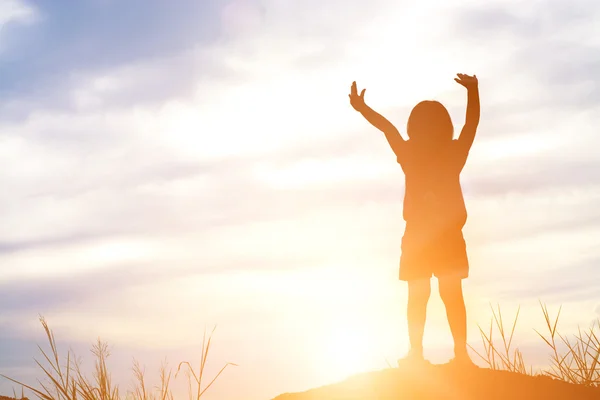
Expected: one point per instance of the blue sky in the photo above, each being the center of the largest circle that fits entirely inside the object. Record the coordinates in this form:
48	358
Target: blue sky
169	166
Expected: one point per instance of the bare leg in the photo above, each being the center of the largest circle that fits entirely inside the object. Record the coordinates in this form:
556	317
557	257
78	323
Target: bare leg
452	296
418	296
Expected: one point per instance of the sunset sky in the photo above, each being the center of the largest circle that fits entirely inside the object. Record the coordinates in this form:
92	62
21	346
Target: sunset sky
174	165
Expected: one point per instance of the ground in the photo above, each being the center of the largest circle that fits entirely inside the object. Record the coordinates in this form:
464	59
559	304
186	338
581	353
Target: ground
447	382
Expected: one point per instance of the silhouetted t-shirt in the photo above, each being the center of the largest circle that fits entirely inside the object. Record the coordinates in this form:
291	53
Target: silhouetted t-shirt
433	196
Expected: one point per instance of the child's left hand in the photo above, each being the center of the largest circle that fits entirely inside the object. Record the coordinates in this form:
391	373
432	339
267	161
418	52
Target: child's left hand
467	81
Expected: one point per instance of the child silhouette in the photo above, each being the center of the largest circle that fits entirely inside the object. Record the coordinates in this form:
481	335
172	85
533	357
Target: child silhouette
434	210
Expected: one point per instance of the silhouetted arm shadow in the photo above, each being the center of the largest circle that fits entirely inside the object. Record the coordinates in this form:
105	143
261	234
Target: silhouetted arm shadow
377	120
467	135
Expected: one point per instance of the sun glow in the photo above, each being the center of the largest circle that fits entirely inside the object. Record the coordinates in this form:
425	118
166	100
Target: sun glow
314	171
346	351
513	147
349	349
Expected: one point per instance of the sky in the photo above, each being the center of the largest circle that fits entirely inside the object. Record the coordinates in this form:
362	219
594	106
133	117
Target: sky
172	166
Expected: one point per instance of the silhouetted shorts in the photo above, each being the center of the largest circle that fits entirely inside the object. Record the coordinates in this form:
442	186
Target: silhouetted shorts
433	252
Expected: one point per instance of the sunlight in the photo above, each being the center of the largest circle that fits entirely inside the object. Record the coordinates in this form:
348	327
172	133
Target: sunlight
348	349
314	171
512	147
84	257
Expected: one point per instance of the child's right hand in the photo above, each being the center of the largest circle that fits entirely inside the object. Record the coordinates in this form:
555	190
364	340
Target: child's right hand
357	101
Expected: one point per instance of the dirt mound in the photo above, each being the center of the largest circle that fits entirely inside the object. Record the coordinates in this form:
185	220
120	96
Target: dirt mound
447	382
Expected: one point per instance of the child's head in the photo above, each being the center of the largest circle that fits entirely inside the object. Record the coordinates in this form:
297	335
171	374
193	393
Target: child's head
429	122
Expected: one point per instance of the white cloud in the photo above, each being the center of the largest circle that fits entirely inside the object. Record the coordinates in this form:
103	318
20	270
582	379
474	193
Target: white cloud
17	11
260	164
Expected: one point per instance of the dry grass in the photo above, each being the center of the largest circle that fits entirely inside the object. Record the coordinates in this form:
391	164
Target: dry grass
580	362
69	383
577	362
501	357
198	377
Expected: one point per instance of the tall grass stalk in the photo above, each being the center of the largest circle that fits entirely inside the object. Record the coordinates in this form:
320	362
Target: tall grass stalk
577	362
580	363
503	356
67	382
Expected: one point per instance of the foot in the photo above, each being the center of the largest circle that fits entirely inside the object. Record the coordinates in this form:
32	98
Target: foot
463	361
413	359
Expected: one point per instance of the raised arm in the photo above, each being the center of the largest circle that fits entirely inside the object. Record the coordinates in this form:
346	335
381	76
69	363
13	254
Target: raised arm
467	135
377	120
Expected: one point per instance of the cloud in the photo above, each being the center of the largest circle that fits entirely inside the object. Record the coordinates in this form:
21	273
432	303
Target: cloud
69	59
16	12
39	295
66	287
17	359
549	44
213	153
567	284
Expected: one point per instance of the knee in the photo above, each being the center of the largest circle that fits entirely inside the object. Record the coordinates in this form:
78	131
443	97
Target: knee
451	293
418	292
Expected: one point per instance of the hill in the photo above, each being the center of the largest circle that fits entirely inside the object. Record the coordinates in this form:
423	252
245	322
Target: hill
447	382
